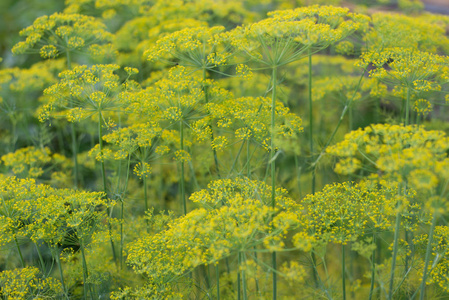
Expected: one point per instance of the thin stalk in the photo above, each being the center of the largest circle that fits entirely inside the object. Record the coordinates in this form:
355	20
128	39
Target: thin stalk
343	271
343	113
205	275
428	252
103	175
238	280
373	269
73	134
311	121
41	259
183	198
206	99
74	153
256	260
395	252
298	176
122	213
273	167
242	260
20	252
217	279
85	272
407	107
145	192
315	275
58	262
14	133
407	257
237	157
100	142
248	167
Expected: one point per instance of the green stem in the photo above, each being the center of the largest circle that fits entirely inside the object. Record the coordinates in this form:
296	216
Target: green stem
103	176
20	252
248	167
217	279
373	269
206	99
343	275
311	121
74	152
73	134
273	167
428	252
205	274
41	259
122	212
145	192
239	288
183	198
343	113
407	107
236	158
407	257
242	260
315	275
85	272
14	132
58	262
255	273
100	142
395	251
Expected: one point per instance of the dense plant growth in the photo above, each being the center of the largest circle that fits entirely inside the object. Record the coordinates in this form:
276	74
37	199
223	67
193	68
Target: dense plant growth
213	149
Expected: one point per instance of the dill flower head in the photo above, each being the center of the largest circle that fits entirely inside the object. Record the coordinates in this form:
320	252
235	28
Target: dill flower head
86	92
60	33
29	283
422	107
287	34
28	161
54	216
407	67
235	215
438	272
125	141
401	153
249	117
199	48
342	212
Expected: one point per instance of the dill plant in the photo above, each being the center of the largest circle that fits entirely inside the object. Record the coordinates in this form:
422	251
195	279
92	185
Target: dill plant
66	34
237	86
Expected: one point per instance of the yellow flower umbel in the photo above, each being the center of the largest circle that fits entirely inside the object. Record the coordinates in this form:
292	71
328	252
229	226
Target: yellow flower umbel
54	217
287	35
200	48
235	216
400	153
65	33
28	161
411	72
28	283
85	92
344	212
412	157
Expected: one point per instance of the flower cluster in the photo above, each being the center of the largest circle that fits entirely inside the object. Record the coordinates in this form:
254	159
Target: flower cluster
288	34
60	33
235	215
343	212
27	283
200	47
